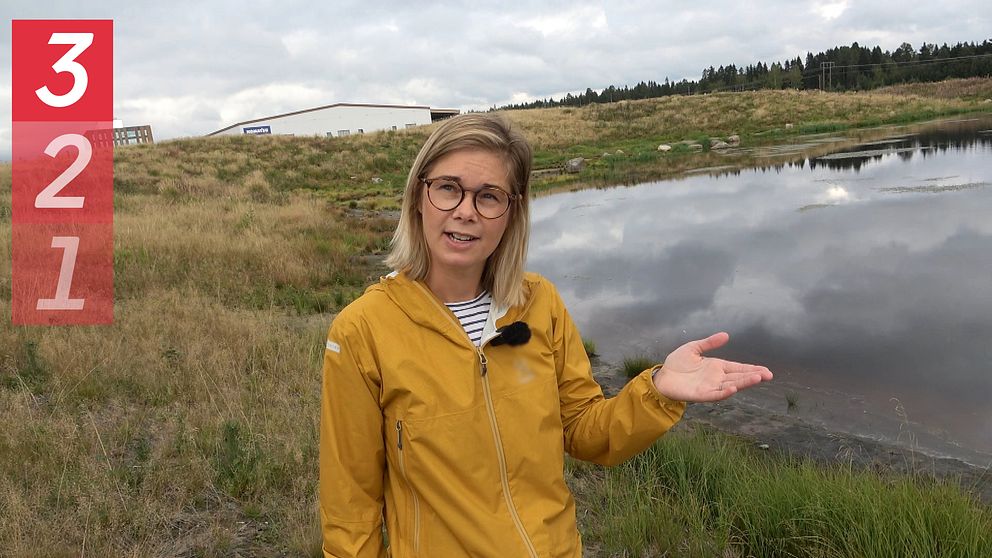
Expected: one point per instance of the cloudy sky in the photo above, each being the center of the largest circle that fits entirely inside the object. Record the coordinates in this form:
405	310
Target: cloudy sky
189	68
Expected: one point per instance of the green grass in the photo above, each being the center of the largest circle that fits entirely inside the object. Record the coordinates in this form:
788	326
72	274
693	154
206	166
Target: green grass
634	365
707	494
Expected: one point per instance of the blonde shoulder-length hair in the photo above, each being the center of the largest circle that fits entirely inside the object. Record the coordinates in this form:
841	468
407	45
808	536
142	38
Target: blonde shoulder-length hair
504	271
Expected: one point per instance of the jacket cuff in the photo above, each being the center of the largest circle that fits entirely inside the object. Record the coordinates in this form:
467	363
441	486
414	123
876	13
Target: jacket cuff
647	377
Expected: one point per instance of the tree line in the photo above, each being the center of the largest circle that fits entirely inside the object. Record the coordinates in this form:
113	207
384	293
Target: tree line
842	68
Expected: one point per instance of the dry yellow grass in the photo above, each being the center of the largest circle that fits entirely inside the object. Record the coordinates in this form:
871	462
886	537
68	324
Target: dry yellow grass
974	89
676	118
188	427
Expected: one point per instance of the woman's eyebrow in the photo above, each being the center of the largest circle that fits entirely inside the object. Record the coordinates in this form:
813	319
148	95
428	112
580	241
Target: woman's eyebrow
458	179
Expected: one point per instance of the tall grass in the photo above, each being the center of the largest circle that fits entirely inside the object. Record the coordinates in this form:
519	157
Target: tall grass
969	89
706	494
634	365
189	426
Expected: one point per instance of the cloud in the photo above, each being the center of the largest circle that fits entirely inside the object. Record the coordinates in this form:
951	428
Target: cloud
578	22
830	10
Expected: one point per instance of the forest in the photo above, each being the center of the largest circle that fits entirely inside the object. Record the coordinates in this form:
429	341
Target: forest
844	68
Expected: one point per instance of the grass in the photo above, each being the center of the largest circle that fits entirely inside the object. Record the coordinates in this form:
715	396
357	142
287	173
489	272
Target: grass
189	426
700	493
969	89
791	401
634	365
590	347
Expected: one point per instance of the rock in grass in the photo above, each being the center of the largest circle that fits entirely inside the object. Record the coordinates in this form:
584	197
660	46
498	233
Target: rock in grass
664	147
734	140
575	165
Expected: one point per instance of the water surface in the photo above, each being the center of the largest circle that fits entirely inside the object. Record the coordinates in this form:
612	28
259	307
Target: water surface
862	279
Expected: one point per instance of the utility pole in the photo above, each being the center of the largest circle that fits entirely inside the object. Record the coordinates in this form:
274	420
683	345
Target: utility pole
826	75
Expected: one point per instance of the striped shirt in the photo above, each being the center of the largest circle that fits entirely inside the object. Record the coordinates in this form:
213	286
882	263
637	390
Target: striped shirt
473	314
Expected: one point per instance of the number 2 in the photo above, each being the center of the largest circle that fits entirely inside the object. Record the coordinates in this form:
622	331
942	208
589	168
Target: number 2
47	198
80	42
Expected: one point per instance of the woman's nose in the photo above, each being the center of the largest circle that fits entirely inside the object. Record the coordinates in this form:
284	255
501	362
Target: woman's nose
466	208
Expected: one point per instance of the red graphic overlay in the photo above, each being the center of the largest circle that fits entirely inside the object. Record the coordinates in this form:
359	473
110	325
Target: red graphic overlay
63	172
45	58
63	274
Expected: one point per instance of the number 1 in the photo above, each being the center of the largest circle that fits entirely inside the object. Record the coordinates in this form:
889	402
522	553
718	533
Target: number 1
70	247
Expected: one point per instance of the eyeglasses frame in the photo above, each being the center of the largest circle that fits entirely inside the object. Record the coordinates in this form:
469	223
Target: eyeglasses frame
428	181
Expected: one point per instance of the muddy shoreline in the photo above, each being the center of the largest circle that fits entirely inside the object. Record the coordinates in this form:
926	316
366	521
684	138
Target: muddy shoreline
791	435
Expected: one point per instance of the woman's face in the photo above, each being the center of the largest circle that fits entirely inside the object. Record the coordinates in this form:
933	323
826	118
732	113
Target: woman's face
461	240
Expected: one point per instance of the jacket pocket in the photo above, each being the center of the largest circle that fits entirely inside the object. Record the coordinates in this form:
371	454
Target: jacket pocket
402	458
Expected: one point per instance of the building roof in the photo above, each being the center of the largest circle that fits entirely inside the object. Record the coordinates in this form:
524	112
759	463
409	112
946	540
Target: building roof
320	108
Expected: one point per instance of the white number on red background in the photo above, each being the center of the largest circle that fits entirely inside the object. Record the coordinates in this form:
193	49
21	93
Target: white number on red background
48	198
80	42
70	247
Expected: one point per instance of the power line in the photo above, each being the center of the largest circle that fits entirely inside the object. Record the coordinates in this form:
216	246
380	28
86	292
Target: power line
818	72
902	63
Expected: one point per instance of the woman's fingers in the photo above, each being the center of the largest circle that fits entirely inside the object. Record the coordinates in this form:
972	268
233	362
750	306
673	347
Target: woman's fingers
739	368
714	341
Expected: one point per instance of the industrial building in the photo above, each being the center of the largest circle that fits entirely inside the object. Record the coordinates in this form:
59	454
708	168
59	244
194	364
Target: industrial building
339	119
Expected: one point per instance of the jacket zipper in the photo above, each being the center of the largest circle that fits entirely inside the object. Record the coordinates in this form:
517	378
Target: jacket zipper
413	493
491	411
500	455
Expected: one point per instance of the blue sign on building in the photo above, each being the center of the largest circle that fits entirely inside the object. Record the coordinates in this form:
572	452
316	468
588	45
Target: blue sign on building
257	130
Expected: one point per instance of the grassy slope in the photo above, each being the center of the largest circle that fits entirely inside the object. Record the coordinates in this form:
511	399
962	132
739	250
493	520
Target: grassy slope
189	426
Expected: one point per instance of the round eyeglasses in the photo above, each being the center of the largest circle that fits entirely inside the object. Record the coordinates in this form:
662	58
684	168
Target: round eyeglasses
446	194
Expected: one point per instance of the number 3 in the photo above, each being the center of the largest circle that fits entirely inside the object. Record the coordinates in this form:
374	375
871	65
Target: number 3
67	63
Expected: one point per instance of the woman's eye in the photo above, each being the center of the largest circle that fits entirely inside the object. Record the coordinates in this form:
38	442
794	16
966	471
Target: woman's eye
490	197
447	187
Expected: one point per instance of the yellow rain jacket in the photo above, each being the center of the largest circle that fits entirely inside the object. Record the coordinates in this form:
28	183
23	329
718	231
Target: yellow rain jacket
458	450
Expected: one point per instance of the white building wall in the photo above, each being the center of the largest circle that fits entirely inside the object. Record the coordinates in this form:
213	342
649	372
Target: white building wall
333	120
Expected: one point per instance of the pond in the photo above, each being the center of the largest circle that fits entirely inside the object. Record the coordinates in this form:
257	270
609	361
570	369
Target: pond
863	279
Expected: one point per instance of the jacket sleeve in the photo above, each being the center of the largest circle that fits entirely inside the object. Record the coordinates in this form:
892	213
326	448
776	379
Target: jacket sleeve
352	453
604	431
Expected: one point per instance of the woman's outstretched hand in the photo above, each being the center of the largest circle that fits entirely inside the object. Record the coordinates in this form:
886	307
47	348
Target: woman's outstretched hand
689	376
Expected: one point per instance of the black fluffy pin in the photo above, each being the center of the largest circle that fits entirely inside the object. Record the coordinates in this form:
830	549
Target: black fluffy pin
514	334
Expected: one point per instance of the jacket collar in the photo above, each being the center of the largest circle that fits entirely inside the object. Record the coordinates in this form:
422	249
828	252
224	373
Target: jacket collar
417	301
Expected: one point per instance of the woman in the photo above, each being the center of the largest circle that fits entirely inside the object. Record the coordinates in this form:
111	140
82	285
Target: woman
444	425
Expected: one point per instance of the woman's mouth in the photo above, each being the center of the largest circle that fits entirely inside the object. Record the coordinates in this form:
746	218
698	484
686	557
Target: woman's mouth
458	237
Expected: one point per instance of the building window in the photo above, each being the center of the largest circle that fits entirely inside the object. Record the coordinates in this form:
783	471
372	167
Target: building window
410	125
361	130
343	132
329	134
394	127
